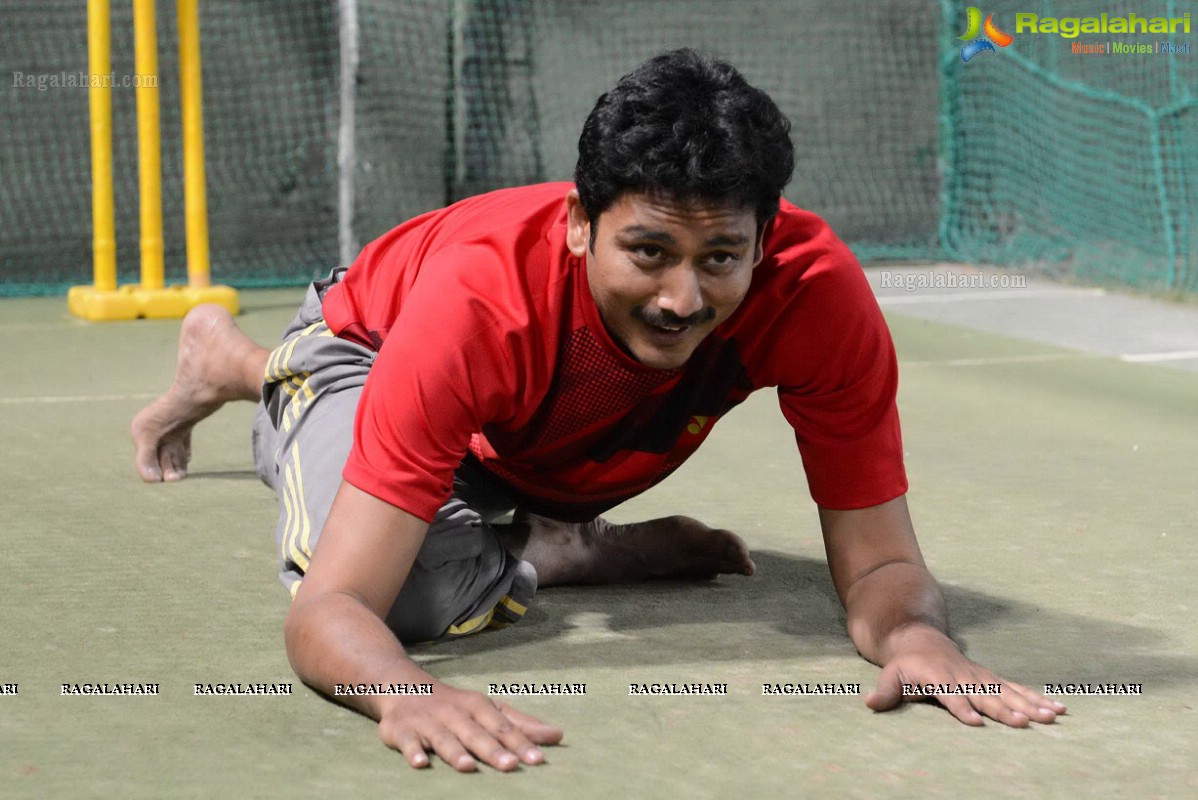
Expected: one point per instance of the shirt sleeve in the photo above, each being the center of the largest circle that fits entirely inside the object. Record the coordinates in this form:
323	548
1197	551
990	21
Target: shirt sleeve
449	365
841	401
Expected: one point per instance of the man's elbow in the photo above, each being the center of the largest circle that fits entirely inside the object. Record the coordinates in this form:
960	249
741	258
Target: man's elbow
297	632
292	630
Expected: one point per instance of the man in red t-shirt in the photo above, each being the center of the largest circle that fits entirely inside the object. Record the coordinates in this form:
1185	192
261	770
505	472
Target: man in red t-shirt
548	352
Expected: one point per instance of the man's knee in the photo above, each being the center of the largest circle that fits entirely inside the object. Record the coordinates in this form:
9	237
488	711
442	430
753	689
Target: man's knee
463	581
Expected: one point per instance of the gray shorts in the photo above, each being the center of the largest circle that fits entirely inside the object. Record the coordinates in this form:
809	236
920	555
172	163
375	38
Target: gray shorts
463	580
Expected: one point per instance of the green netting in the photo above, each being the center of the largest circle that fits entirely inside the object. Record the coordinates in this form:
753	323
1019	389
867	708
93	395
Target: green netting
864	114
402	96
321	135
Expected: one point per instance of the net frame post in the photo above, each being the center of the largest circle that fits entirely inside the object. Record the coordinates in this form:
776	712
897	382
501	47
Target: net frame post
348	46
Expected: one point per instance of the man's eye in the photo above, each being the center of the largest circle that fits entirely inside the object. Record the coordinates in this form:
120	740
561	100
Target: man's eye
648	251
722	259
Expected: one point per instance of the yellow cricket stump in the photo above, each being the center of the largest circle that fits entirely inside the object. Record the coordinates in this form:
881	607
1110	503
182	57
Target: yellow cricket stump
132	301
151	298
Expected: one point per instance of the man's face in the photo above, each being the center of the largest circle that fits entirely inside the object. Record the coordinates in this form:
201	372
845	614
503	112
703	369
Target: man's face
665	274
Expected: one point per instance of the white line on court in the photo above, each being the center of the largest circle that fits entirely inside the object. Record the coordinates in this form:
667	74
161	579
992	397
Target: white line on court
1009	294
982	362
43	326
91	398
1149	358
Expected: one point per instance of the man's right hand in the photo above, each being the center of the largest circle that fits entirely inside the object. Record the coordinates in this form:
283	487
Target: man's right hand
335	634
463	728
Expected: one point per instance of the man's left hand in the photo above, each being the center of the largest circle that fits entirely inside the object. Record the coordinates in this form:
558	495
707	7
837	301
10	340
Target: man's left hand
924	656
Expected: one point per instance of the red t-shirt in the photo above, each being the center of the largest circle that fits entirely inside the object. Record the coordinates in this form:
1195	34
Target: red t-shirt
490	347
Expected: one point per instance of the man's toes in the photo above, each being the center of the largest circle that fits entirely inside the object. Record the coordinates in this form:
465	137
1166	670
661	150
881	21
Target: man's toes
174	463
149	470
736	557
146	457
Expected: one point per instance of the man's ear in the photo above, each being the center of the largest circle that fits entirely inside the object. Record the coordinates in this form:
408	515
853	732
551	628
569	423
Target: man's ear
759	247
578	227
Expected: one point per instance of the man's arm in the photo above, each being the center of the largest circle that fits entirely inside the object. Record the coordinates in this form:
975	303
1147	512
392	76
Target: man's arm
335	634
897	618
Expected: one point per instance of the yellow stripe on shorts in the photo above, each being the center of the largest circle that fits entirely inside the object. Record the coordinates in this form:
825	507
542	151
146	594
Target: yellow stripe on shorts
289	505
471	625
297	522
513	606
301	397
278	366
305	543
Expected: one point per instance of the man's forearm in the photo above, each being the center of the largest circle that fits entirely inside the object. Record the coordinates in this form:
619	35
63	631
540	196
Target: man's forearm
335	632
334	639
897	620
889	605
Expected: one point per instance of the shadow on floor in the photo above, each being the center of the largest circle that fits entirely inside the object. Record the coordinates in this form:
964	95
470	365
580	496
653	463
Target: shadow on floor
787	611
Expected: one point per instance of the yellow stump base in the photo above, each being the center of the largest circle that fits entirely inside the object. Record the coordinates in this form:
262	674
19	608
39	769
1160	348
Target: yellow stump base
131	302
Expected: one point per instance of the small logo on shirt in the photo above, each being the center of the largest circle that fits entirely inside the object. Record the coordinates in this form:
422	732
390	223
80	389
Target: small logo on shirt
696	425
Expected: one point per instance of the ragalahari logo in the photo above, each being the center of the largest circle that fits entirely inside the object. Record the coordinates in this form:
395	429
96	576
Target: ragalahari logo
993	36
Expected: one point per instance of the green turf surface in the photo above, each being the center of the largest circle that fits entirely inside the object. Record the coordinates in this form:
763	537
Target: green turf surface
1054	498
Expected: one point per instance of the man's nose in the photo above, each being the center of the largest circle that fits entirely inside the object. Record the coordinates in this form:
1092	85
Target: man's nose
679	292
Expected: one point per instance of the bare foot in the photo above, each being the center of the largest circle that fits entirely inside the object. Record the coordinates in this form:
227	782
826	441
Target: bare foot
217	363
600	552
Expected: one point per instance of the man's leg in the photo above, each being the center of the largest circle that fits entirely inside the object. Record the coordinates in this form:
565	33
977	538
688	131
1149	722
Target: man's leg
216	363
462	580
597	552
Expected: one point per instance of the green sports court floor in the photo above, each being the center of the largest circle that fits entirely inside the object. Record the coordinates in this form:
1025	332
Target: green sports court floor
1054	489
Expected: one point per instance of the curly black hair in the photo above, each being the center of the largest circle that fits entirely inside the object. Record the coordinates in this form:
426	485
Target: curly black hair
687	127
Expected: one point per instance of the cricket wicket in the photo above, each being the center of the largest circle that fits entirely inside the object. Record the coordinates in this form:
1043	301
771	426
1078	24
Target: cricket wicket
151	298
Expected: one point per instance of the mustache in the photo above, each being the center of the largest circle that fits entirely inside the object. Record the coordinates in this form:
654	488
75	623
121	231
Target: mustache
663	318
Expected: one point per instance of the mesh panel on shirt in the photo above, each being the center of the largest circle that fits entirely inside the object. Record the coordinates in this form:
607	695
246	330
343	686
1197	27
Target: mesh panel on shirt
592	385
